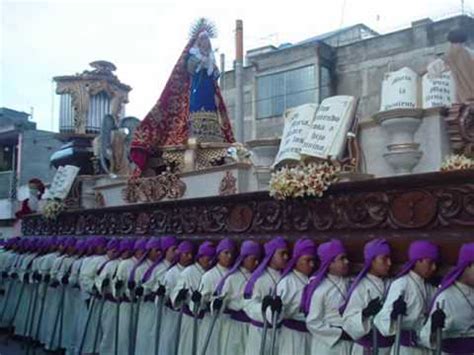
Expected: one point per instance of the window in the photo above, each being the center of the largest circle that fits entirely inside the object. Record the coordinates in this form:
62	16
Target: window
277	92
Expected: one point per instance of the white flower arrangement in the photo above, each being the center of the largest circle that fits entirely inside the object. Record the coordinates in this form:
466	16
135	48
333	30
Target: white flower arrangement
457	162
312	179
53	208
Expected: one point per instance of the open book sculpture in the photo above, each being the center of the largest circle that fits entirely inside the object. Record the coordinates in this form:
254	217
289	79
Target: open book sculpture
318	143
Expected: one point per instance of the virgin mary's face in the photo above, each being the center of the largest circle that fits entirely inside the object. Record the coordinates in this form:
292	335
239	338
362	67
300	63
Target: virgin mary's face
204	44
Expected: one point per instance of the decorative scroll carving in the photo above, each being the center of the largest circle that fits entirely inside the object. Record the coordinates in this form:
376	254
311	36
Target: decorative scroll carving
460	122
427	202
166	185
228	185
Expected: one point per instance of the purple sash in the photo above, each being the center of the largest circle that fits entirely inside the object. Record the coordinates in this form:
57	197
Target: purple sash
294	324
408	338
188	312
110	298
382	342
260	324
239	316
458	345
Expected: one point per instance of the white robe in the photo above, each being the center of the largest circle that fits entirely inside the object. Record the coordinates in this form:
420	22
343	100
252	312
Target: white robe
15	286
74	309
87	276
170	316
39	292
44	268
137	309
208	285
60	310
290	289
234	333
418	294
457	301
108	316
53	295
190	279
370	287
147	323
122	275
253	307
7	260
324	321
23	314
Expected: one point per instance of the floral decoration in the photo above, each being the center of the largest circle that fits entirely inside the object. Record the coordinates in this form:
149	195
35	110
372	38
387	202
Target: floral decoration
303	180
53	208
457	162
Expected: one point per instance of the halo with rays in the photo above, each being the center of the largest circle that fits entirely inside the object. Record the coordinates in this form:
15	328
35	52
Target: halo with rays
202	24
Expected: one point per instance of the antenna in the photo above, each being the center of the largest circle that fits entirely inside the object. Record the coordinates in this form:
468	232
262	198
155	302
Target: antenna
342	20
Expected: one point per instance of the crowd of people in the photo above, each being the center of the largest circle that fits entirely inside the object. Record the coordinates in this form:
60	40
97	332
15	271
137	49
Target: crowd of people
158	295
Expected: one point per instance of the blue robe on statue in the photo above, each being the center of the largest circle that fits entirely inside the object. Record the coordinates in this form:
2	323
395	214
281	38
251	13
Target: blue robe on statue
202	92
203	112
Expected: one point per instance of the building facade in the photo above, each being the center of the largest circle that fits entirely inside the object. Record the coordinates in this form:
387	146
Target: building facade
24	154
350	61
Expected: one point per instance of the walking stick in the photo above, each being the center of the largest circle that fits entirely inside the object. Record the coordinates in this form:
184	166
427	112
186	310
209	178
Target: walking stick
135	323
196	307
131	318
99	320
267	302
375	340
86	326
216	307
180	320
276	310
161	301
439	332
399	331
117	323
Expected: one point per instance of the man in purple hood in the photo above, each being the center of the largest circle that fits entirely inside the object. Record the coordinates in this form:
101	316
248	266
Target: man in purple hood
262	283
183	258
365	298
234	322
225	254
452	308
190	280
161	254
410	296
322	298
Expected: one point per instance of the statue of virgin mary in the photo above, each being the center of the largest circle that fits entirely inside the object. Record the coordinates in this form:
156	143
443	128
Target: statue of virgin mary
191	104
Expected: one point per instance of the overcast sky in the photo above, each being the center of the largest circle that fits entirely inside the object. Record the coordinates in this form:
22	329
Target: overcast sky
42	39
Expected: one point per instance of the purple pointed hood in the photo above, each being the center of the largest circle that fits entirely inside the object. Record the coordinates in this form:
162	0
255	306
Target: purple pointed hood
270	248
327	252
249	247
465	258
372	249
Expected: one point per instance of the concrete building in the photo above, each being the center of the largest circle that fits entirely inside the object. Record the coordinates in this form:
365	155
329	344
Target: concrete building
24	154
350	61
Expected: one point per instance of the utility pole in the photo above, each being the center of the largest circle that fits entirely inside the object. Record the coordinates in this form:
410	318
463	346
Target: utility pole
239	85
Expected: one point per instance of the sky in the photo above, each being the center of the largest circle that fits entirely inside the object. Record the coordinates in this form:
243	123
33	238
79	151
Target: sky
43	39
